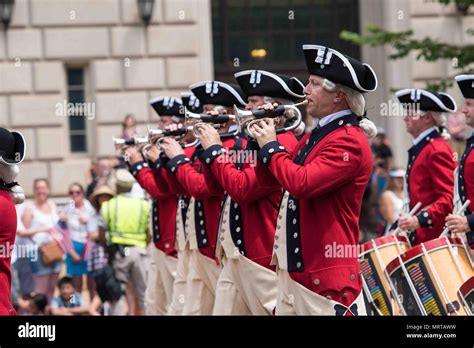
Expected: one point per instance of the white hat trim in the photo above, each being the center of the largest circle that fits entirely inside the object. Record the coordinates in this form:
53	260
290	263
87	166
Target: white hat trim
276	78
221	84
430	95
348	64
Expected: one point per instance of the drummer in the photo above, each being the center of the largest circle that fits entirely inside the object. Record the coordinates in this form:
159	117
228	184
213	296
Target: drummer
465	179
431	163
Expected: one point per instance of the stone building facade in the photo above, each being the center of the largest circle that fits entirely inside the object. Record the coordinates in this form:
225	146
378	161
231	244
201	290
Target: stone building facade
125	64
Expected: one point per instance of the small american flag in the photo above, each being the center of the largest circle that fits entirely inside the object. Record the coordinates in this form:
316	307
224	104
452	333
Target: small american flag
61	235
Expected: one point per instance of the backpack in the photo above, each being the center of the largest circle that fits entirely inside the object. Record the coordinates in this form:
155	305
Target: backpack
108	286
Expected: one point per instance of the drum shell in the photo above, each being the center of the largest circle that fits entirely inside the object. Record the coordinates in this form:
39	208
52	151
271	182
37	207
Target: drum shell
388	248
466	292
445	266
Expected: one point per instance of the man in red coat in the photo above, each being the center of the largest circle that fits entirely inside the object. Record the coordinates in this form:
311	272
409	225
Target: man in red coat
431	163
207	195
465	179
324	182
154	179
247	283
12	152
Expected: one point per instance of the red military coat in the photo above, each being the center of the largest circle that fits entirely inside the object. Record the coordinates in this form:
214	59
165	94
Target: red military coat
155	182
257	193
198	182
430	180
466	185
8	222
319	214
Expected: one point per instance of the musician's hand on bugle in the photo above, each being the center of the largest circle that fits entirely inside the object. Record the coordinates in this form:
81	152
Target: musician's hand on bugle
457	223
173	127
208	135
171	148
268	106
132	155
264	131
408	223
152	153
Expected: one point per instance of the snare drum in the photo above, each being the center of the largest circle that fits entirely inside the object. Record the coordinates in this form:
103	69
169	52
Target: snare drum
374	257
466	294
427	277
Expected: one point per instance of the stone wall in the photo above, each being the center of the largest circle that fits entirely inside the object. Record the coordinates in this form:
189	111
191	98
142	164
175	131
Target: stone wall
125	65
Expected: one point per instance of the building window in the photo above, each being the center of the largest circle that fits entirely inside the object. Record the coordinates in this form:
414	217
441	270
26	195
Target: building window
77	119
268	34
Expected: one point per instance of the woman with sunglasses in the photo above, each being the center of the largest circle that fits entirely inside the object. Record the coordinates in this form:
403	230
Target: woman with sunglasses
82	225
39	218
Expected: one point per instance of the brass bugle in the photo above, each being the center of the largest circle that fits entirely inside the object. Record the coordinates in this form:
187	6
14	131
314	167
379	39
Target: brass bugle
132	141
183	145
217	119
168	133
291	112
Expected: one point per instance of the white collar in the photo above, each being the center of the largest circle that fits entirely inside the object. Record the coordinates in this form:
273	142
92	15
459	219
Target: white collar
331	117
423	135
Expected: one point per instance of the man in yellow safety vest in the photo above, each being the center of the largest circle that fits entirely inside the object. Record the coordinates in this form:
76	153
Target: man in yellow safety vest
125	221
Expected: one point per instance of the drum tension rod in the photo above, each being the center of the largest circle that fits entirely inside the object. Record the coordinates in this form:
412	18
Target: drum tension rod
453	306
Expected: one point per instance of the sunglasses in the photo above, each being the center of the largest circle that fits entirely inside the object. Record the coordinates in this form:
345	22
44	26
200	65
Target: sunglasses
75	192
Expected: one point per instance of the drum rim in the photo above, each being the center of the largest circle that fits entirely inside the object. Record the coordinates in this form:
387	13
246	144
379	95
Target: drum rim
467	287
417	251
382	241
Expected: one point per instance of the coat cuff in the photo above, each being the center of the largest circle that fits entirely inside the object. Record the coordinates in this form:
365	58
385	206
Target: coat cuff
425	220
210	154
470	221
268	150
156	166
137	167
470	239
175	162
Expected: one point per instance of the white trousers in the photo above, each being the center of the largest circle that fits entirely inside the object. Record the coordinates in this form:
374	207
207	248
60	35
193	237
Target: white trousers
295	299
201	284
179	287
160	280
245	288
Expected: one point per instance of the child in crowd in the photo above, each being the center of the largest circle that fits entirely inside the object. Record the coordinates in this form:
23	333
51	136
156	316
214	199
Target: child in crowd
68	302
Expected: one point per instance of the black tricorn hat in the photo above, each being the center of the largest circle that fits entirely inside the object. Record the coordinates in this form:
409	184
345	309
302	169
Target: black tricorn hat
167	106
426	100
12	147
219	93
191	102
466	85
330	64
267	84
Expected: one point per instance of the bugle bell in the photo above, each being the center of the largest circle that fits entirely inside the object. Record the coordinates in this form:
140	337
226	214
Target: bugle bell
290	112
162	134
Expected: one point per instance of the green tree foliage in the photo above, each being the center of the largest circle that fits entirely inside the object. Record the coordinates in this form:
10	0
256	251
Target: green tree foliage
427	49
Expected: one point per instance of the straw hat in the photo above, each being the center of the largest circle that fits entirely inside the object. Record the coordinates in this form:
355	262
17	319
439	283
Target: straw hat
101	190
